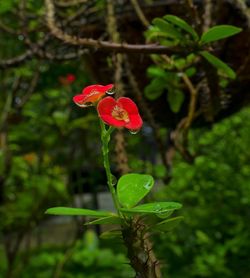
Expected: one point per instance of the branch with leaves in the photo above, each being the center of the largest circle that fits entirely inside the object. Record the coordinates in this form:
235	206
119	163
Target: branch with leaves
99	44
175	73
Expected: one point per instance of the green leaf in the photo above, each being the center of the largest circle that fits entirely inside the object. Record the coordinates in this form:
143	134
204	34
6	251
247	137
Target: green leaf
154	71
24	71
223	83
6	6
106	220
167	225
155	208
182	24
77	211
175	99
111	234
180	63
191	58
154	32
220	65
219	32
165	214
155	88
190	71
167	28
131	188
61	118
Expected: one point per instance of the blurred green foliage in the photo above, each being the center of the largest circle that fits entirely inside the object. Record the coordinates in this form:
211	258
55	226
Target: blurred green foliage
168	71
84	259
214	238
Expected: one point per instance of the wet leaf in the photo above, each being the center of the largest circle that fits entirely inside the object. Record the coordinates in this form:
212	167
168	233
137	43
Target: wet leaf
155	208
131	188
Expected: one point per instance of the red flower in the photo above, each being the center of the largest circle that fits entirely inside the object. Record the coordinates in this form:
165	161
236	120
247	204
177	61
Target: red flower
92	94
67	80
120	113
70	78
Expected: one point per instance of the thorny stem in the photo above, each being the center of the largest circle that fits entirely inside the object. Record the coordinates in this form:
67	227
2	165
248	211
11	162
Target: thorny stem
140	251
105	137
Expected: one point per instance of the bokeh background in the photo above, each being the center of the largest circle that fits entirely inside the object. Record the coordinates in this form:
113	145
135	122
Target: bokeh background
50	149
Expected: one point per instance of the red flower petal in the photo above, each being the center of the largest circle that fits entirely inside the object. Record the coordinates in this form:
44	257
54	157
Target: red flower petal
105	108
135	122
98	88
120	113
128	104
106	105
80	100
91	94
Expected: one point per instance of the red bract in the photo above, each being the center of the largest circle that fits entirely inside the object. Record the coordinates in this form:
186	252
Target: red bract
120	113
92	94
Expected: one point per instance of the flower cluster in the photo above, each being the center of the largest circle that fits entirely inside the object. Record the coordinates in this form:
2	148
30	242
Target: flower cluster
122	112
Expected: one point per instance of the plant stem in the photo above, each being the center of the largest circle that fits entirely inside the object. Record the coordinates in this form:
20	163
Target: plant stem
140	251
105	137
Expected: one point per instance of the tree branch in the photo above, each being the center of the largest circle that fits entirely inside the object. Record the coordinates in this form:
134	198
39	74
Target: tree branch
99	44
207	16
16	60
66	4
140	13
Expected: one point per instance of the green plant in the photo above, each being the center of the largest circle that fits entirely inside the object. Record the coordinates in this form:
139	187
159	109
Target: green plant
84	259
131	188
213	240
169	73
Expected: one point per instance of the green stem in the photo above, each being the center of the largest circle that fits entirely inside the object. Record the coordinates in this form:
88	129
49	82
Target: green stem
105	137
